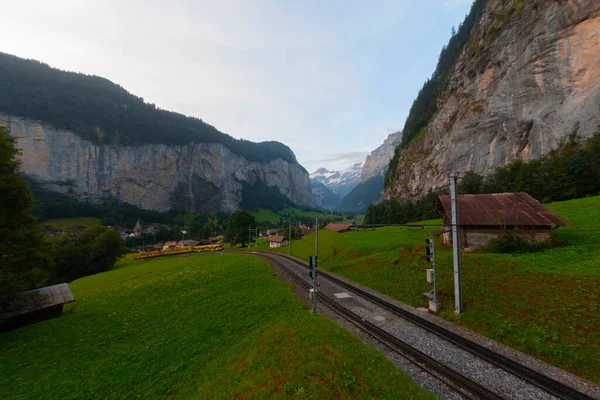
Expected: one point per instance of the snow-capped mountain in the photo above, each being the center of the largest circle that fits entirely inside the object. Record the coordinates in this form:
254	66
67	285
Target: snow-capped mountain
339	182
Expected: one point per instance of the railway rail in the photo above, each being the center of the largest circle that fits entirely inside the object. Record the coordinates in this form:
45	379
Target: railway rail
459	383
535	378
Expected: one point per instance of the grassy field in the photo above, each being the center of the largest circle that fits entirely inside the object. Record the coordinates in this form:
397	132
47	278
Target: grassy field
545	304
263	215
205	326
64	223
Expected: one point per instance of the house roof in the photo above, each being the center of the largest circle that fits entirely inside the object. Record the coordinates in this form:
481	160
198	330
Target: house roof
189	242
277	239
338	227
501	209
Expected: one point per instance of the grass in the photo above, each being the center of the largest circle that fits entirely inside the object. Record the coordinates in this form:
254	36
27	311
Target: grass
206	326
269	216
64	223
545	304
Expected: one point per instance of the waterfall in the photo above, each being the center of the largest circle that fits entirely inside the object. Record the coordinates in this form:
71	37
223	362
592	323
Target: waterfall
190	189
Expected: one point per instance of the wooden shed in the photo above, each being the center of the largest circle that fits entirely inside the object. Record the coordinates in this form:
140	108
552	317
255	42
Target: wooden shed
487	216
36	306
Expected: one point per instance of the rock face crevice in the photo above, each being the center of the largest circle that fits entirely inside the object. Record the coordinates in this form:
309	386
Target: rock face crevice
198	177
527	82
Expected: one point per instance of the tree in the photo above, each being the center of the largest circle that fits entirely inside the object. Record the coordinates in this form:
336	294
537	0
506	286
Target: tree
237	227
24	256
86	253
470	183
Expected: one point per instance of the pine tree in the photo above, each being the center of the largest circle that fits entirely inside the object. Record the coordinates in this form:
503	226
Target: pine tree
24	254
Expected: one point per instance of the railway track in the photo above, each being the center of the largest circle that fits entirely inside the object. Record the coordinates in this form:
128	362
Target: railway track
537	379
464	386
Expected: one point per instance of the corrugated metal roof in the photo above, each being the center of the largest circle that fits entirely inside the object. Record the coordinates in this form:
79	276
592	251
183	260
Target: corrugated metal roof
338	227
502	209
53	295
39	299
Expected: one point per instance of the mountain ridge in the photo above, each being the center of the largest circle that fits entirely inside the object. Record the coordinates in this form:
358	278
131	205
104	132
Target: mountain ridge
89	138
525	83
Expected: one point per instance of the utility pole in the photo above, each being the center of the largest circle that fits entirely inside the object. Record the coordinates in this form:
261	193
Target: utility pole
314	267
456	244
290	236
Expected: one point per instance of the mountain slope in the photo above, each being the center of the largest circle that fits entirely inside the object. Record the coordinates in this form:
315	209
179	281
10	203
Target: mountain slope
378	160
324	197
526	82
100	111
87	137
339	182
363	195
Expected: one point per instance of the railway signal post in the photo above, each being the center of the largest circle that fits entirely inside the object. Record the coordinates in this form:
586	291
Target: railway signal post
434	304
314	266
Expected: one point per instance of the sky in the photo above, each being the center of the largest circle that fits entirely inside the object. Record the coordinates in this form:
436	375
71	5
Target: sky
330	79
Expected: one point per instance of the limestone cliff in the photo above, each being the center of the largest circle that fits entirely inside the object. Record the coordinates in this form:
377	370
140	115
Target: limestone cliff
528	80
377	161
197	177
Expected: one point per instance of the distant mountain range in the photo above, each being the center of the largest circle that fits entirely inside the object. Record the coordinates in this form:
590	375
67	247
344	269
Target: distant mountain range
360	185
339	182
323	197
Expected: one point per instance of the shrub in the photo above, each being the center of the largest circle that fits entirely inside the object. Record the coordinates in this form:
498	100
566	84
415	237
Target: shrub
513	242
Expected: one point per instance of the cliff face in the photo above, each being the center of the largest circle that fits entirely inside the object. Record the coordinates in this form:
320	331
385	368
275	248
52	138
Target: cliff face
527	82
377	161
196	177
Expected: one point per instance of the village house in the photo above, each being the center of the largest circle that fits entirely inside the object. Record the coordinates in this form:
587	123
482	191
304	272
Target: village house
151	228
271	232
186	243
277	241
338	227
172	245
215	240
483	217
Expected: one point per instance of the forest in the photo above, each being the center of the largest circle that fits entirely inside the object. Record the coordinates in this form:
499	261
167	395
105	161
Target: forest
100	111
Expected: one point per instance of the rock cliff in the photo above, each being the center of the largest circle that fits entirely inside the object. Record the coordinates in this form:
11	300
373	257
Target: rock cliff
527	81
378	160
198	177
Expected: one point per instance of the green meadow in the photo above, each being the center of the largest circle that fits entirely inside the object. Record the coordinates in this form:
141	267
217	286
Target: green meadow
545	304
203	326
269	216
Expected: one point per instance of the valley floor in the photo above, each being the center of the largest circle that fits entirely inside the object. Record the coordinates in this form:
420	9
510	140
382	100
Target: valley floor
545	304
203	326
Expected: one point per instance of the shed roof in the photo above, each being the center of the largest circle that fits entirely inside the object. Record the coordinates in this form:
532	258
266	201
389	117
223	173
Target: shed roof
501	209
277	239
338	227
39	299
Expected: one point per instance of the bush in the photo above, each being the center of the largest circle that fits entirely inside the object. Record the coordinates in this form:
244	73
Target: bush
513	242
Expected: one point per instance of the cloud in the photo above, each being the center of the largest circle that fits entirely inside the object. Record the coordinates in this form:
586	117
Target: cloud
325	78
